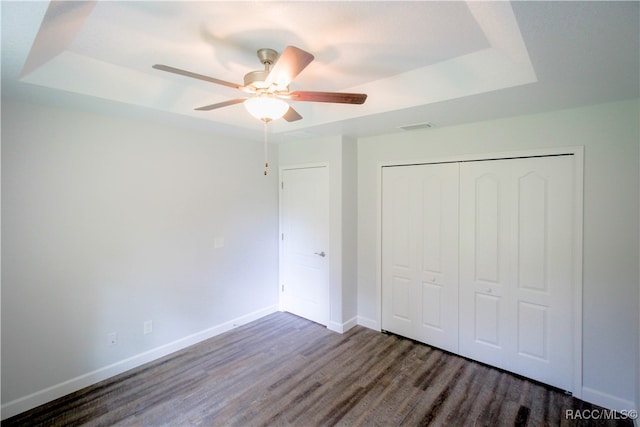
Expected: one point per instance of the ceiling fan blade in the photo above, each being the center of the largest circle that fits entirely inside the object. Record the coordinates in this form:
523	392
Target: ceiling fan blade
291	115
221	104
288	66
195	76
335	97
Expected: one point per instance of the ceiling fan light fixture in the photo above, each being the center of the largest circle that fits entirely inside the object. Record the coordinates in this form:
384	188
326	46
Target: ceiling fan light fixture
266	107
267	88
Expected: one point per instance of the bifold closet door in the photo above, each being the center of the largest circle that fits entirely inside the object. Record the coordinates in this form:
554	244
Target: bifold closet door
516	266
420	253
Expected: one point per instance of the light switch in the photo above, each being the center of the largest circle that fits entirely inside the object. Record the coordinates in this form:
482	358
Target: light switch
147	326
218	242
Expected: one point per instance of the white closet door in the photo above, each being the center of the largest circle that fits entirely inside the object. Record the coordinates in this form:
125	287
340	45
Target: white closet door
420	253
516	266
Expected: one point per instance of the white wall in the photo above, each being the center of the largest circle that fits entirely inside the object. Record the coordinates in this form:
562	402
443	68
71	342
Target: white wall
349	231
339	154
610	135
108	222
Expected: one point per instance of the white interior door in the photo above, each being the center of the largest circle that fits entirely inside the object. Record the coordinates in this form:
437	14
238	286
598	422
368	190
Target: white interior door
304	220
516	266
420	253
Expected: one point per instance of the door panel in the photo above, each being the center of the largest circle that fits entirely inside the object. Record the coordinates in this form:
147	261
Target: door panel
533	329
305	228
420	244
528	213
432	306
487	321
399	269
432	195
512	304
437	243
532	227
401	299
484	229
401	220
487	228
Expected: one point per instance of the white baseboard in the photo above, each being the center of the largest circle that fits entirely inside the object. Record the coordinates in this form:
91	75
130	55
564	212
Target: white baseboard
369	323
607	401
342	327
48	394
350	323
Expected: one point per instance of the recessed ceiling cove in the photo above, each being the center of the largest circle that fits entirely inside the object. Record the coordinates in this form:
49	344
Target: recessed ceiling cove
402	54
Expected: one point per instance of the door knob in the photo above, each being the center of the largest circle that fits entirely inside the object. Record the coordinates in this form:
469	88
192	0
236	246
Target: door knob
322	254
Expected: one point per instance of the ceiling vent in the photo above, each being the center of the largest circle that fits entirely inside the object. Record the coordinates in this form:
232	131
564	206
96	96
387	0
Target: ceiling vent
300	134
417	126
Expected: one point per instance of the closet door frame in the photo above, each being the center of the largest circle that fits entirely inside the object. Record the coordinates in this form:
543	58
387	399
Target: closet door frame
578	153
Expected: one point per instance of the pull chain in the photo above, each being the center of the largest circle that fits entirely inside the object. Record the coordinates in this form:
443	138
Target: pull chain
266	149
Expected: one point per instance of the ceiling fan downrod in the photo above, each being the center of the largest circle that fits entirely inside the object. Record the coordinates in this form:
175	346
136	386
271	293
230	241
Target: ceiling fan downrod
267	57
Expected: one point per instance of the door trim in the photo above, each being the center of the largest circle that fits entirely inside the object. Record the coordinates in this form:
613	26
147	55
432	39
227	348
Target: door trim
281	171
578	153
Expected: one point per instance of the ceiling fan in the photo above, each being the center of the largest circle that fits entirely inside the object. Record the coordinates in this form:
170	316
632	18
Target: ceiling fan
268	89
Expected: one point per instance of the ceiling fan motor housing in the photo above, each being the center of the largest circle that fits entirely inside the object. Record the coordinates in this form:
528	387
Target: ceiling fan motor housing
256	79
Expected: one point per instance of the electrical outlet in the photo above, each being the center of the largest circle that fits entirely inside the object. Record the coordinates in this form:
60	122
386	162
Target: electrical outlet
148	326
112	338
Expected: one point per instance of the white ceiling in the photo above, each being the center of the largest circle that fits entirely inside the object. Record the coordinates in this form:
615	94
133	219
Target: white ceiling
419	61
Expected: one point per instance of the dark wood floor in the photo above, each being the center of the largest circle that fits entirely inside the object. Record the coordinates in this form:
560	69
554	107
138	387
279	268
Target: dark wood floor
285	371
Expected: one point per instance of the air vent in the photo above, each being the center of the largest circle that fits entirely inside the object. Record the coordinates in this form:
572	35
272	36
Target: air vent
300	134
417	126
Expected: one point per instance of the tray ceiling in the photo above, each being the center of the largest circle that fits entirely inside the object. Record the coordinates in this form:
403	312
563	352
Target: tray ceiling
409	57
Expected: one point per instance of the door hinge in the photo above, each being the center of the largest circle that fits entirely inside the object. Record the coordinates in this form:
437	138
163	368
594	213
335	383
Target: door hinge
283	287
282	236
282	185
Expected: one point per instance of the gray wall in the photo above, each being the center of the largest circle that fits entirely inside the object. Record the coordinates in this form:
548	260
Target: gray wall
610	135
108	222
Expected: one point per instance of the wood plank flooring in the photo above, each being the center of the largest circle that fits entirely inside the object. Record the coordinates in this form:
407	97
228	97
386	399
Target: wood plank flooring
286	371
